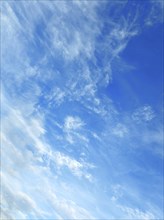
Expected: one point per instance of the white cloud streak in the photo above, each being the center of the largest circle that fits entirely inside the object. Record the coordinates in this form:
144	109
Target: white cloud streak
25	152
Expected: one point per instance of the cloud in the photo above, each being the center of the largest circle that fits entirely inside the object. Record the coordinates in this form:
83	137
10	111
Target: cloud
32	131
143	114
55	98
74	129
73	123
155	13
68	207
120	130
29	162
117	192
154	139
76	167
74	38
136	213
17	203
74	42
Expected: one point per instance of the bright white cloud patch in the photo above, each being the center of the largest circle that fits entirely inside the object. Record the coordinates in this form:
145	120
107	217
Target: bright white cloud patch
73	123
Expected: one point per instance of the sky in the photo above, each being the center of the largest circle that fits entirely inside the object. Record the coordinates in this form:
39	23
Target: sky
82	109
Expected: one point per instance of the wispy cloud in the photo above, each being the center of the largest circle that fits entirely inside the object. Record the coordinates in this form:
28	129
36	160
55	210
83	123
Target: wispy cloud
136	213
120	130
143	114
73	123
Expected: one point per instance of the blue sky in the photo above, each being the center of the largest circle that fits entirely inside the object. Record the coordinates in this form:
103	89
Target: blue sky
82	109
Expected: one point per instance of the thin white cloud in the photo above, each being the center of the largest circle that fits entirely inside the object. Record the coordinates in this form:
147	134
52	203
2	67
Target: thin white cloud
156	13
68	39
143	114
73	123
76	167
68	207
154	138
55	98
17	203
133	213
73	127
120	130
117	192
24	150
